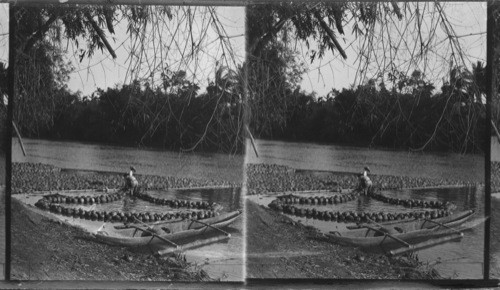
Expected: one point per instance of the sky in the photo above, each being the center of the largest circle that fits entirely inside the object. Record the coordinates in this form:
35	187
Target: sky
102	71
107	72
468	20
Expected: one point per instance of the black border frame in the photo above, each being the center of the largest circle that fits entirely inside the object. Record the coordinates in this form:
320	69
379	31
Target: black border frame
8	141
248	283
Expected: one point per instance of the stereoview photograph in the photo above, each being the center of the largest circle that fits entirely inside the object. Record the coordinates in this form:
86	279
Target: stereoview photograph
326	140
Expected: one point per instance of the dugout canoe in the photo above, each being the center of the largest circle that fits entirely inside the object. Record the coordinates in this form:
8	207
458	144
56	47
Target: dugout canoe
450	221
165	233
411	235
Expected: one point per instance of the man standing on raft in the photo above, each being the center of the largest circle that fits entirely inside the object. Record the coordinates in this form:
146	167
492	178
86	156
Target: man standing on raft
365	182
131	182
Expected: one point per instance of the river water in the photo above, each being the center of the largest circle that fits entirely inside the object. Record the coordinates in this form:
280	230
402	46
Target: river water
458	260
223	260
87	156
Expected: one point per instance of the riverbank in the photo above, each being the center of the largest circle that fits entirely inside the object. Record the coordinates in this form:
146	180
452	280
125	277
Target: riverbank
267	178
33	177
46	250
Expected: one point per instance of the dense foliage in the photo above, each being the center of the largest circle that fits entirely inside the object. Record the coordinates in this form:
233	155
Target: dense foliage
139	115
406	116
371	115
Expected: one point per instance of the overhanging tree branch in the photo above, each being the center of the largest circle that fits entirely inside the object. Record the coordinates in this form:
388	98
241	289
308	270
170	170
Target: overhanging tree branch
100	33
39	33
330	34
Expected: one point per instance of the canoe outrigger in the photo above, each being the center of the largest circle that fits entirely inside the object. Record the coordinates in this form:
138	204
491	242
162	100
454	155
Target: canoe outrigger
168	233
412	235
451	221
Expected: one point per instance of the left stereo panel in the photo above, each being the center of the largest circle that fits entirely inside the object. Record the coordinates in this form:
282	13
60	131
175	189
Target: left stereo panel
127	144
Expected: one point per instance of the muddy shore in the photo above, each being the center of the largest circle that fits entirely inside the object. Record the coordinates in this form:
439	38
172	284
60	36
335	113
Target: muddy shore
278	248
46	250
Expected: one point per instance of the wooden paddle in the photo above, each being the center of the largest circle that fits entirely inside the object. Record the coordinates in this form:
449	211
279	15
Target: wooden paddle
194	244
252	140
128	225
427	244
389	235
147	230
19	137
208	225
441	224
496	130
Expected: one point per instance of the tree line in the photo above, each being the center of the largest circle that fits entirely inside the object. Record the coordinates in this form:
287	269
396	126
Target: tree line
177	117
409	117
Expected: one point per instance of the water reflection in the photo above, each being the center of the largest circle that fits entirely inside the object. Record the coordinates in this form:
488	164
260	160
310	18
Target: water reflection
129	204
363	203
